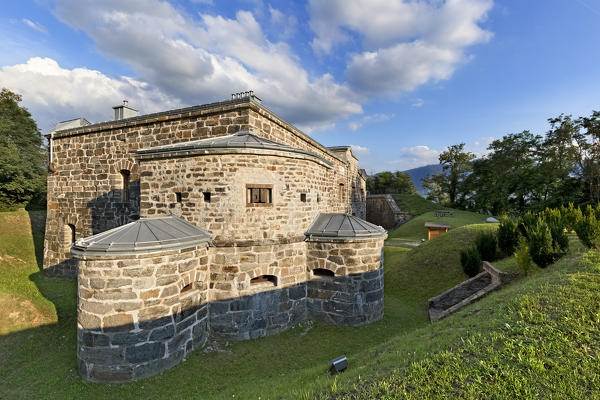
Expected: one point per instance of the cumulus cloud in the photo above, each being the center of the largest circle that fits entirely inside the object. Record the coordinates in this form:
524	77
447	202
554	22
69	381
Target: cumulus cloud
35	25
53	93
360	150
205	59
416	156
404	43
357	124
286	24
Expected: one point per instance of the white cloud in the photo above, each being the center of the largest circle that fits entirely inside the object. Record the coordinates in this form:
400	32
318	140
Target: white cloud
207	59
479	147
356	149
35	25
357	124
404	43
286	24
418	103
416	156
54	94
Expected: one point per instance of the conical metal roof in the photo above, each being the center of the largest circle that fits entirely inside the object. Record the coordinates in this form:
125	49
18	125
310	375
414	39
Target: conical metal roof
343	226
239	140
147	235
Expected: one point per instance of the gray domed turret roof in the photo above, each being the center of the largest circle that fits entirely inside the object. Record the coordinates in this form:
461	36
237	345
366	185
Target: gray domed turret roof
147	235
239	140
343	226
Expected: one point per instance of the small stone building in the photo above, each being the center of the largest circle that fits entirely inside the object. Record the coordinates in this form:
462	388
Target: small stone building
216	221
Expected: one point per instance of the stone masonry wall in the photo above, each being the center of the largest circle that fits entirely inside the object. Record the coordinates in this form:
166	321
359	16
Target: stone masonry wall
86	188
225	177
382	210
243	310
354	295
134	319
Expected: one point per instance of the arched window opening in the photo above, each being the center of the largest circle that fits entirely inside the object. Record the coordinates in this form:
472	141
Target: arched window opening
125	176
187	288
68	236
341	191
264	280
323	273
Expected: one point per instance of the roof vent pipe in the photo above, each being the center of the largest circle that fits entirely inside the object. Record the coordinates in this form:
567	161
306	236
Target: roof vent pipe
124	111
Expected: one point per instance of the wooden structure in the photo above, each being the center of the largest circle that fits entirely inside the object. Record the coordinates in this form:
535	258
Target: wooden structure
436	229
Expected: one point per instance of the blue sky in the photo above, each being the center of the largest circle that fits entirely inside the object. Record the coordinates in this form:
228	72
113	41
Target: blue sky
399	80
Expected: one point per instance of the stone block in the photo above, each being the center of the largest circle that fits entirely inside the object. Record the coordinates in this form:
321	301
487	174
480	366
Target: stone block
117	323
144	352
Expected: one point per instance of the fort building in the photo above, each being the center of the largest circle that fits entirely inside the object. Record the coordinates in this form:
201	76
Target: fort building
219	220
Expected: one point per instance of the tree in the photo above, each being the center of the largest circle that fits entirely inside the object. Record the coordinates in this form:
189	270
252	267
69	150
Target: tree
457	165
449	186
22	156
390	182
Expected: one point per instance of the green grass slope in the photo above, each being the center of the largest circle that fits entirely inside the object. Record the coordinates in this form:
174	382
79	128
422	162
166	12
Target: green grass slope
415	204
400	356
414	230
536	338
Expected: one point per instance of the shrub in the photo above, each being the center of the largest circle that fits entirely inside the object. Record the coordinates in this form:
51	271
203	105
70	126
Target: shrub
486	245
508	235
556	223
570	216
524	261
526	222
470	261
541	247
588	230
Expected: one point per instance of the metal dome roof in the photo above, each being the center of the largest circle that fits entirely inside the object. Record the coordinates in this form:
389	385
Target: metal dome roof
239	140
343	226
147	235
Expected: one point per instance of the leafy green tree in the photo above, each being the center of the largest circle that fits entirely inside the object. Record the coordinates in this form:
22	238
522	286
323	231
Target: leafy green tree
449	186
390	182
22	156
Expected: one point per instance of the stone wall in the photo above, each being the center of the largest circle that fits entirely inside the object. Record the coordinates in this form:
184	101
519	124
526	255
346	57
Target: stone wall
139	315
225	177
383	211
353	295
243	310
85	189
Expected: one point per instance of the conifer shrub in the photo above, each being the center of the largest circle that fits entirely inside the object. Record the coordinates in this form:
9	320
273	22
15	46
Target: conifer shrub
588	230
556	223
524	261
541	247
508	235
470	261
526	222
570	216
486	245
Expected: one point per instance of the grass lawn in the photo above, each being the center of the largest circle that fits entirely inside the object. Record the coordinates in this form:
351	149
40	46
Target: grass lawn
414	230
415	204
511	340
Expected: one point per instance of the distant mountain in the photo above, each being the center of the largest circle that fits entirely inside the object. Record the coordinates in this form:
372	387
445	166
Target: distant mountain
416	174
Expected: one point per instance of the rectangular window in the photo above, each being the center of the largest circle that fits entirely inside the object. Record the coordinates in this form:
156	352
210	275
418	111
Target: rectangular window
303	197
206	197
259	195
178	197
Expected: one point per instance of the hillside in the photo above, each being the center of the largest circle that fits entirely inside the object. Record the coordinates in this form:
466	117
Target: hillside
417	174
415	204
536	338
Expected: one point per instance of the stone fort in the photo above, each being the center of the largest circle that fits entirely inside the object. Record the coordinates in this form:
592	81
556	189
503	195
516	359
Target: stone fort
215	221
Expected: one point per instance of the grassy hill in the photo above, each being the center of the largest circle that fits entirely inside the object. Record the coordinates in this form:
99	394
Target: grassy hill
537	338
415	204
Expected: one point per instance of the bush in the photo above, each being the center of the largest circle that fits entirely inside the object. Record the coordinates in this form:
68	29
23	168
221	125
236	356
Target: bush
526	222
524	261
470	261
508	235
556	223
570	216
588	230
486	245
541	247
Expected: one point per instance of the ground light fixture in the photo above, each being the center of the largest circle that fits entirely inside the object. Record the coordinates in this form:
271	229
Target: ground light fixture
338	365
